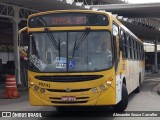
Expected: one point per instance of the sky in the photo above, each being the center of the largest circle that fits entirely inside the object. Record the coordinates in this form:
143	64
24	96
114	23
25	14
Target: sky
143	1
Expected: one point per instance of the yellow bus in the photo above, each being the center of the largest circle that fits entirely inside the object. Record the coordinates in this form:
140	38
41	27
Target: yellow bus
81	58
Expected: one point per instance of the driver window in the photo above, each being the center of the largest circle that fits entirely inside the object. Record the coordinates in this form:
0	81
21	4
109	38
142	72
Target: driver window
23	41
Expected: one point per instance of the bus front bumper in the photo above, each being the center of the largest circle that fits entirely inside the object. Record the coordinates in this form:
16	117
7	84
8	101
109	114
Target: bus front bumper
106	97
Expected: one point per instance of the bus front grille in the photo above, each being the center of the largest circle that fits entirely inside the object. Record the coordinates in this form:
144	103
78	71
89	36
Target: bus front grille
69	102
78	98
69	78
74	90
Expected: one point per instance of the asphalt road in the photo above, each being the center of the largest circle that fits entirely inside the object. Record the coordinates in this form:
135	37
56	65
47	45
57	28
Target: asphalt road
147	100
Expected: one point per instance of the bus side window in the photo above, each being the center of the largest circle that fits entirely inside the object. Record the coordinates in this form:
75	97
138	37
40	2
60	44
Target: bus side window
127	43
143	52
130	46
139	51
136	50
133	45
123	43
116	44
126	46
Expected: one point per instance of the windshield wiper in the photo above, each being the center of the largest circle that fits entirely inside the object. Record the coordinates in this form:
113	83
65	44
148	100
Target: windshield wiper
56	45
59	49
80	41
50	35
53	40
74	48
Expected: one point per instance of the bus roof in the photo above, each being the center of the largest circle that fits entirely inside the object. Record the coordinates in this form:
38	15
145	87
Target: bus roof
58	11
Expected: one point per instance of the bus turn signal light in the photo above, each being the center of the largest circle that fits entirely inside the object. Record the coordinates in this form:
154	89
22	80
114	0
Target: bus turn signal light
42	90
36	88
95	90
102	87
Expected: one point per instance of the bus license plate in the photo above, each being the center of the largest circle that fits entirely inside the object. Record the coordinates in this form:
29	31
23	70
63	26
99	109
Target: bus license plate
68	98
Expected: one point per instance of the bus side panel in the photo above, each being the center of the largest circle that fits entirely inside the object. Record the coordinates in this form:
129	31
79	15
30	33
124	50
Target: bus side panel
133	71
34	98
119	79
108	97
127	75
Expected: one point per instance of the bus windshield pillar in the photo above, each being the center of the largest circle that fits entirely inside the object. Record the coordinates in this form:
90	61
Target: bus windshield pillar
155	56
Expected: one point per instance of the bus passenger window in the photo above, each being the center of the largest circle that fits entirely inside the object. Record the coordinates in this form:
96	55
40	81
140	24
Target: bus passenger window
130	45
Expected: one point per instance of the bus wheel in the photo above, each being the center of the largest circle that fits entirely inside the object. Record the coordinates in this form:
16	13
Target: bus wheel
138	89
122	105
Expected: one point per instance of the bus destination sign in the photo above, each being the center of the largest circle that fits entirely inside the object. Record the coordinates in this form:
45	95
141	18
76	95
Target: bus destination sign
68	19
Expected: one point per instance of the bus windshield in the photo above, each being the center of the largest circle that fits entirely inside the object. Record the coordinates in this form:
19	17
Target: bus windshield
70	51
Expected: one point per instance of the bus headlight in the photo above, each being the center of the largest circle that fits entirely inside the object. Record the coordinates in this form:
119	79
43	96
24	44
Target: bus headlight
109	83
31	83
42	90
36	88
95	90
102	87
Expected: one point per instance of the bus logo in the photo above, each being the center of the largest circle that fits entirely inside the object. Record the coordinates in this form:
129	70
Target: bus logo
68	89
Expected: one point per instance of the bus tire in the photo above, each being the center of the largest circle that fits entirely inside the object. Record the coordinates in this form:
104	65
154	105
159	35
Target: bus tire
138	89
122	105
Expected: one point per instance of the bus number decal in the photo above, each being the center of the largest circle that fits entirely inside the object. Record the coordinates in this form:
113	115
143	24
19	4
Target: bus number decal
44	84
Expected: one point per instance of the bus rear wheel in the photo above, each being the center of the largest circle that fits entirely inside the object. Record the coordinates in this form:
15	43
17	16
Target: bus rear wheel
122	105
